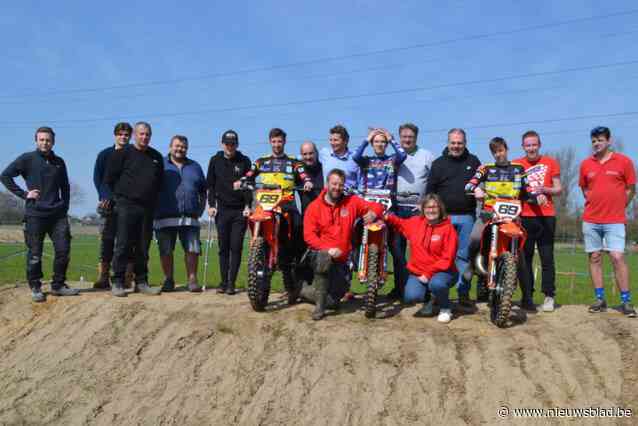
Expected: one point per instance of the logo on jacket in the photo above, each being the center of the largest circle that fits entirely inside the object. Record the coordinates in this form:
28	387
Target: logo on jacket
436	238
237	170
344	212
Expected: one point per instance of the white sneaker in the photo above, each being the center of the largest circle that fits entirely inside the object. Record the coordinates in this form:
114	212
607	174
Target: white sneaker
445	315
548	304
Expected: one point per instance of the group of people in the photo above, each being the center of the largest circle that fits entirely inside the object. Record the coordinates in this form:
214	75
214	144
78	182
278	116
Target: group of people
434	212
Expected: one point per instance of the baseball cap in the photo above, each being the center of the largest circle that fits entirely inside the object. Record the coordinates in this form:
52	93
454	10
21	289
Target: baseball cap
230	136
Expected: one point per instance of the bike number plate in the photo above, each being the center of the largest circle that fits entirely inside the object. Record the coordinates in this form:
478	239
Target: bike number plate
386	202
508	209
268	199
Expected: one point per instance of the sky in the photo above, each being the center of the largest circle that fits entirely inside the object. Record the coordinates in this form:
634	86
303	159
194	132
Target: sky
495	68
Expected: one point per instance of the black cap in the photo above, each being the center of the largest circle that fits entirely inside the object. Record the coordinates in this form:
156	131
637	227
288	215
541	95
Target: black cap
230	136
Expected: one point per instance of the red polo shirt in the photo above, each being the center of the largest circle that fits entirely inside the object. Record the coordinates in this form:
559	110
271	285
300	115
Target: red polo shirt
605	185
547	169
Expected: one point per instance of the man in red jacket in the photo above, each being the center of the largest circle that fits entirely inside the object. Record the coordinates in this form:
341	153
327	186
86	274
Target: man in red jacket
328	227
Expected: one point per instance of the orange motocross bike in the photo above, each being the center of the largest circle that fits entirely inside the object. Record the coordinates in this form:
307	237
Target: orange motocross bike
373	251
497	260
264	224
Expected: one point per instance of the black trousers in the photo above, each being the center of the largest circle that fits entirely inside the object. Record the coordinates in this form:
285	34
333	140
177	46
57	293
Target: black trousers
35	230
336	276
540	233
108	231
133	237
291	245
231	228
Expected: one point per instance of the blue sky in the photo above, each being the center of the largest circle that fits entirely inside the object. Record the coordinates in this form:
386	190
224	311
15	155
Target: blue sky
199	70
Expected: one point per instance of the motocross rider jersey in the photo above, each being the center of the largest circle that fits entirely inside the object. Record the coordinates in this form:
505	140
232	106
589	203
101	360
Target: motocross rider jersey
501	181
280	171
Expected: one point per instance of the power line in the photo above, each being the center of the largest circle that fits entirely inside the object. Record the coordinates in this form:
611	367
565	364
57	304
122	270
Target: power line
338	98
438	43
302	77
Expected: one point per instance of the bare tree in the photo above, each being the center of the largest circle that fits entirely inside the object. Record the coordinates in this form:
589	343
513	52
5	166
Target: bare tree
11	208
77	194
569	170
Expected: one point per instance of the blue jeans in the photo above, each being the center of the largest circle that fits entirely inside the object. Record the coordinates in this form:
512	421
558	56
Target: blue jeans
400	246
439	285
463	224
604	237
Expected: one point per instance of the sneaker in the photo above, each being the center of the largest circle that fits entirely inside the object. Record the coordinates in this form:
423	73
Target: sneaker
599	306
230	290
221	289
117	290
37	296
445	316
426	311
548	304
64	290
194	288
628	310
144	288
169	285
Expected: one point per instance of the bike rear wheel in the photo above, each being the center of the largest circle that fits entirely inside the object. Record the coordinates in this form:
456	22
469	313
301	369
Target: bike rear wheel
501	300
373	281
258	275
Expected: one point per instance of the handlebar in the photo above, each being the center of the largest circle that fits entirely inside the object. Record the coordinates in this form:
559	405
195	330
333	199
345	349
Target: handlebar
245	186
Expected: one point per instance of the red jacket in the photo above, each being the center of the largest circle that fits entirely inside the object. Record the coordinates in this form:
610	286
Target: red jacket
326	226
432	247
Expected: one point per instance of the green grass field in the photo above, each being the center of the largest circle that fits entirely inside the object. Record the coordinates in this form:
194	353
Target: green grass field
571	289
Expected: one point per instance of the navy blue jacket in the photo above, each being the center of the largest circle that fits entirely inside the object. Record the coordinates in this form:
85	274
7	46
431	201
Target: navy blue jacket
183	191
102	161
46	173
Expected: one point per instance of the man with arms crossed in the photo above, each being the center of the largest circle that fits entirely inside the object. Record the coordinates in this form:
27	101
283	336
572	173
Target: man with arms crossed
45	211
539	220
134	175
448	177
181	202
608	182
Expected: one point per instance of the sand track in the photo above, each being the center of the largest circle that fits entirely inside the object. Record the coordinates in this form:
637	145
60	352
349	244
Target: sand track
204	359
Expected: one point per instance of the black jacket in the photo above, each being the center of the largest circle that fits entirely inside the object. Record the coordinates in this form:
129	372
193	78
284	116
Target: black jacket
315	173
46	173
135	176
222	172
101	162
448	178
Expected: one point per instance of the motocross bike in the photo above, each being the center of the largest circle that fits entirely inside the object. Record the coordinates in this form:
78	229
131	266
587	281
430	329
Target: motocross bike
264	224
373	251
503	239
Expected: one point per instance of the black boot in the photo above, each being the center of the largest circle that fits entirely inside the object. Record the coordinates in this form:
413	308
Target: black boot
293	288
321	289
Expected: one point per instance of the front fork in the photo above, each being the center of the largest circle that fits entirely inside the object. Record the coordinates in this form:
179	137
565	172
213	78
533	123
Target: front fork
363	266
493	256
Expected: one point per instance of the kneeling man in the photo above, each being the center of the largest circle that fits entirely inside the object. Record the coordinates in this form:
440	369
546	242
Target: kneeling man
328	227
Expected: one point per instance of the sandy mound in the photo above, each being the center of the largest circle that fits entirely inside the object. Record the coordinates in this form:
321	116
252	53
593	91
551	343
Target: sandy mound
205	359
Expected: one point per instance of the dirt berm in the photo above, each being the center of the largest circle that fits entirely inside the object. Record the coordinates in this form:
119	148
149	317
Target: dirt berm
182	359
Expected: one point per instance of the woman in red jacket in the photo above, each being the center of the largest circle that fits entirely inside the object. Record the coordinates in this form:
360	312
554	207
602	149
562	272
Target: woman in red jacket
433	244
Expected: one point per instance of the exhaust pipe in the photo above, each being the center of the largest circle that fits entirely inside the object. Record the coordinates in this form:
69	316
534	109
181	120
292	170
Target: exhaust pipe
480	266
